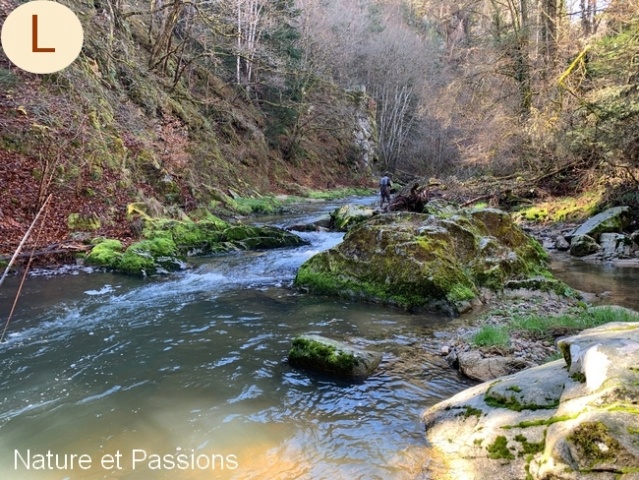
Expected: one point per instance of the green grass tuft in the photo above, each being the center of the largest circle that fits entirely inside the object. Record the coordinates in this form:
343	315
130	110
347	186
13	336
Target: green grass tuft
490	335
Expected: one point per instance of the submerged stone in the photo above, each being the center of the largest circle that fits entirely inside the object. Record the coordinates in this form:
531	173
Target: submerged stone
328	356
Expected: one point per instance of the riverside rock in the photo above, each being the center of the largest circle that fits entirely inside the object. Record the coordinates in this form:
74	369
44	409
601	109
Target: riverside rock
614	220
575	418
332	357
420	260
583	245
349	215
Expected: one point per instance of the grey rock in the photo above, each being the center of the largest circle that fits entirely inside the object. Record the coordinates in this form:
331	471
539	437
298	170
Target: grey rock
583	245
614	220
475	366
562	244
565	422
616	245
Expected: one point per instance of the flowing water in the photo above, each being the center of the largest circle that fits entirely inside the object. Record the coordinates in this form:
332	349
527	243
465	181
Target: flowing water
184	377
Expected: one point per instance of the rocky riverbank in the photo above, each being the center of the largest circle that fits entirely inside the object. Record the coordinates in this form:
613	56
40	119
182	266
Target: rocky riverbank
573	418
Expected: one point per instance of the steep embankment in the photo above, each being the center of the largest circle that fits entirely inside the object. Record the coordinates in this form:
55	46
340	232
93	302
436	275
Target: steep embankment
117	127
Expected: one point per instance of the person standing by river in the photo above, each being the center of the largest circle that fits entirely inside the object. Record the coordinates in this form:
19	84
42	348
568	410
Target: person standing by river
385	189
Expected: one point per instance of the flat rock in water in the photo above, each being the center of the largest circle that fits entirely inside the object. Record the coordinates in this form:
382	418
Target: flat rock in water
332	357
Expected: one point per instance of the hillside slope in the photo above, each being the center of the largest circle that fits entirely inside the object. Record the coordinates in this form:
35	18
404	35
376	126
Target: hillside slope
115	129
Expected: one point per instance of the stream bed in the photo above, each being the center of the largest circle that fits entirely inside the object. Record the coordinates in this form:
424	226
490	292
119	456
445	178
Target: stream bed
105	376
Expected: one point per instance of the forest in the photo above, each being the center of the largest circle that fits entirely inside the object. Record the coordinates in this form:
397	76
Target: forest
172	103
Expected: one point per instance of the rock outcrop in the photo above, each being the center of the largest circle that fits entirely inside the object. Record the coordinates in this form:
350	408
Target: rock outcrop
575	418
349	215
331	357
601	237
169	242
420	260
613	220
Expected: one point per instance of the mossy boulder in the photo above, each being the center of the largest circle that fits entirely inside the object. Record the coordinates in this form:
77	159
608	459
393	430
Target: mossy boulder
168	243
420	260
328	356
583	245
349	215
78	221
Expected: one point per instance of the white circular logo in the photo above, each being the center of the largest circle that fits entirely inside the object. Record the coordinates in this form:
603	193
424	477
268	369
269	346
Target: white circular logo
42	36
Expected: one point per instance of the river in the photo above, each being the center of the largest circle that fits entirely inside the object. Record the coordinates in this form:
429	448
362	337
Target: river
184	377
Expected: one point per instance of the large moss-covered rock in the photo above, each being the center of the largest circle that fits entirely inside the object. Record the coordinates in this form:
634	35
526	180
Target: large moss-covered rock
169	242
328	356
549	422
421	260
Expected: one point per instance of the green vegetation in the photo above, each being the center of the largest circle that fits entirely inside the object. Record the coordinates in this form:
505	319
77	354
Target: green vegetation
470	412
499	449
168	242
541	422
106	253
594	441
529	447
563	209
513	403
460	293
542	327
335	194
492	336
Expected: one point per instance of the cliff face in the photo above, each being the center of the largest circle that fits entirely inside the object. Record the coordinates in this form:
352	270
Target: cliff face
139	117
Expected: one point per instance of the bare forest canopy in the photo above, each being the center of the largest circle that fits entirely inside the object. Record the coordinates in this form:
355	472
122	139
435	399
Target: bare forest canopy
246	92
488	86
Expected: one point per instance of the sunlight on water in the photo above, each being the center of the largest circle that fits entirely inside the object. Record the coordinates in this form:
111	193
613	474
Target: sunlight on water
146	378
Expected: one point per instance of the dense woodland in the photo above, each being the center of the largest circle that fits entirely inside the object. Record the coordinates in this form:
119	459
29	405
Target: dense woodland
174	102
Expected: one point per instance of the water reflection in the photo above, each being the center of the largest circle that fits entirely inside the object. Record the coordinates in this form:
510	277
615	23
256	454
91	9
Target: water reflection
613	285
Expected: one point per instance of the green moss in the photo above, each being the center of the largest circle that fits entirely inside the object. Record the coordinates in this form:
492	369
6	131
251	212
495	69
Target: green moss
512	403
514	388
106	253
541	422
310	353
77	221
136	263
530	448
499	449
156	247
470	412
578	377
594	442
460	293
